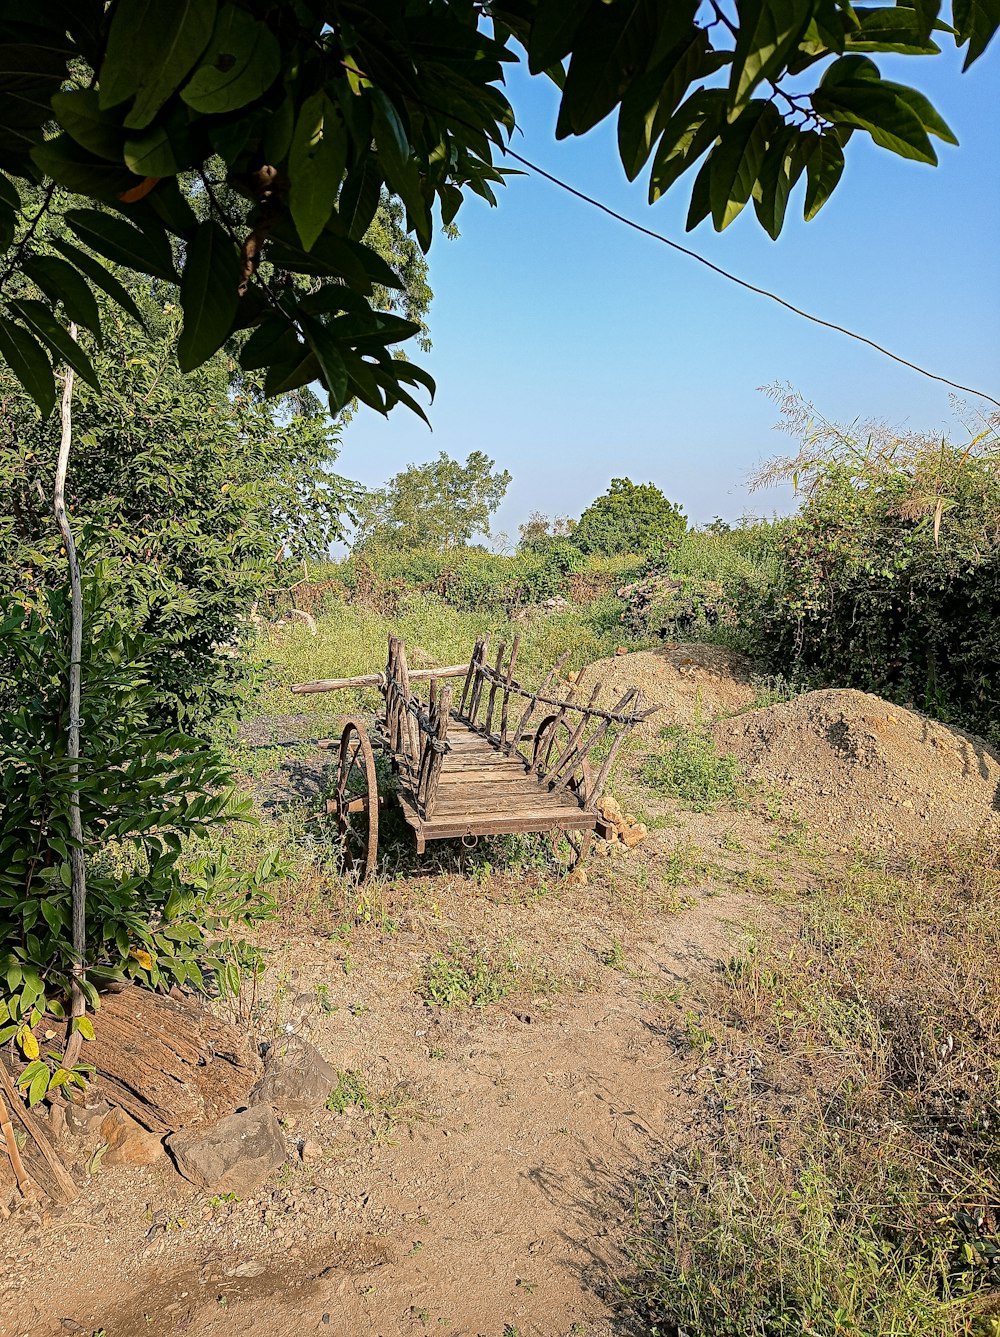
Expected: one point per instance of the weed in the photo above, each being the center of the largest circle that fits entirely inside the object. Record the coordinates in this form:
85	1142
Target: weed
350	1092
732	842
614	957
456	979
692	770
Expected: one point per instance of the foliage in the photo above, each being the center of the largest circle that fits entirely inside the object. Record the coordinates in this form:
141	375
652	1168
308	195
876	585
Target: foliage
292	117
157	914
691	769
629	518
461	979
890	579
539	532
436	505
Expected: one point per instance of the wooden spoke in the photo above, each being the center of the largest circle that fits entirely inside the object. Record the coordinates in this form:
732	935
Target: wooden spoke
551	741
356	802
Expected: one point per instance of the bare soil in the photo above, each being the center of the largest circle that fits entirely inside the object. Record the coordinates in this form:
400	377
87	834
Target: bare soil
689	681
859	767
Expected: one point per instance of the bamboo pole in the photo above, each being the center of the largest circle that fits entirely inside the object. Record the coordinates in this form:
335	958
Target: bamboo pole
24	1180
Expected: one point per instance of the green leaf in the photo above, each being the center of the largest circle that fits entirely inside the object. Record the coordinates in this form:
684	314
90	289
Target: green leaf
976	22
242	61
27	360
768	31
38	1086
147	251
274	341
609	50
73	167
290	375
553	28
85	1026
333	370
736	161
359	198
927	114
782	167
893	28
824	160
41	320
701	197
209	295
80	115
96	272
151	153
869	103
151	49
62	283
652	100
315	165
691	129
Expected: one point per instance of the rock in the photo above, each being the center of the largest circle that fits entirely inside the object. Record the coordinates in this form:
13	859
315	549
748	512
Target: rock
82	1119
297	1078
576	878
634	835
311	1151
128	1142
233	1155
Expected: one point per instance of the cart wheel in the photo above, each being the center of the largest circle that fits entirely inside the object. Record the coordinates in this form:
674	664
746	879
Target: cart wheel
356	802
551	738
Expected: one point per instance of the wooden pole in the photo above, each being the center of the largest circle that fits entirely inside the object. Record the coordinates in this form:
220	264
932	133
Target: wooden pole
470	674
377	679
78	871
533	702
508	679
488	720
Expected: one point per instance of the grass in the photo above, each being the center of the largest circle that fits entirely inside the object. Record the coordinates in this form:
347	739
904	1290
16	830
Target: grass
852	1185
457	978
692	770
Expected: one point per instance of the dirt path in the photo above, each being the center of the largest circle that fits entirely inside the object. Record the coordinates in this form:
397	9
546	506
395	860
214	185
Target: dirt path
485	1192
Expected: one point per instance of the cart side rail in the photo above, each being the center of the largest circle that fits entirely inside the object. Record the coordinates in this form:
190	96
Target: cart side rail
576	730
417	735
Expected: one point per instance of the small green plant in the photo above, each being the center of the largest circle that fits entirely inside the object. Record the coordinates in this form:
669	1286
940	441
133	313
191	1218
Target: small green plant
350	1092
614	956
692	770
455	979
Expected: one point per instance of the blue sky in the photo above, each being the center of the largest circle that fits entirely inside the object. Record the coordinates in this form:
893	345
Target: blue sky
572	349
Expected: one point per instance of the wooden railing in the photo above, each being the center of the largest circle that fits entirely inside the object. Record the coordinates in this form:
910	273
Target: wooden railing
416	737
562	761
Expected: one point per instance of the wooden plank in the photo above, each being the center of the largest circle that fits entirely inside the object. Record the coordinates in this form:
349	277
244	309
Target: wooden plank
377	679
452	828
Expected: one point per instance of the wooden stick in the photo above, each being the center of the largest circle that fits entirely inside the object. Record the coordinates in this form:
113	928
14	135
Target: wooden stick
469	674
412	734
488	721
595	738
574	739
65	1190
537	696
377	679
477	680
508	679
7	1128
434	770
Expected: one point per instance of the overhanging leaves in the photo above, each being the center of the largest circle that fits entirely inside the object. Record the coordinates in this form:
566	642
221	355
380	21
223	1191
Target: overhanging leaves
209	295
151	49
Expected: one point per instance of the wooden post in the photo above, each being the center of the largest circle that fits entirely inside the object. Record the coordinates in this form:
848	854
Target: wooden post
477	680
437	756
410	730
488	720
574	740
508	679
470	676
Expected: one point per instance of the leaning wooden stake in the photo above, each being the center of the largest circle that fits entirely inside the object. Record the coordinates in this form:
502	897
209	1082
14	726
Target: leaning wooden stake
77	867
7	1128
56	1179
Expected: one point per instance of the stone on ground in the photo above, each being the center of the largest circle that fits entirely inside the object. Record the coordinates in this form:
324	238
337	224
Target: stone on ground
233	1155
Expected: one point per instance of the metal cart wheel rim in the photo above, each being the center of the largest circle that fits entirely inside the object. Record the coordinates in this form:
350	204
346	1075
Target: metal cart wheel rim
357	799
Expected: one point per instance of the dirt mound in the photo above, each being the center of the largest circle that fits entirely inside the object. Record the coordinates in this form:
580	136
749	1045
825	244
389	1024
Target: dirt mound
691	681
857	766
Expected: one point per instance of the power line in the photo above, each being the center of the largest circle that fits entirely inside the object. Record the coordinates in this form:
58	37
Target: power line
743	283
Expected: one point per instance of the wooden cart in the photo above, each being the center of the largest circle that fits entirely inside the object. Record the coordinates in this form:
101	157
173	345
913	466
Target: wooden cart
500	758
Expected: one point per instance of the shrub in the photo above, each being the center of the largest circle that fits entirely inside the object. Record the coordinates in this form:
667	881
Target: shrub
157	913
692	770
629	518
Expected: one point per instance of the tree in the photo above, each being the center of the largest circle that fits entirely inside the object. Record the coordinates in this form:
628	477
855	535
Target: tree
435	505
539	532
629	518
192	494
288	117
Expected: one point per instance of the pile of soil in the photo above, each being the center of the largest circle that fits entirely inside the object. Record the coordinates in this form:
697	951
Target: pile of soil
857	766
690	681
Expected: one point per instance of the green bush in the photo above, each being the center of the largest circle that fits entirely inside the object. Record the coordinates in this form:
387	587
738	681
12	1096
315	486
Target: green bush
629	518
157	913
889	581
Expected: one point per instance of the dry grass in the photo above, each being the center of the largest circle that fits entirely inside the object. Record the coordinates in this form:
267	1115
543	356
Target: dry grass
851	1184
